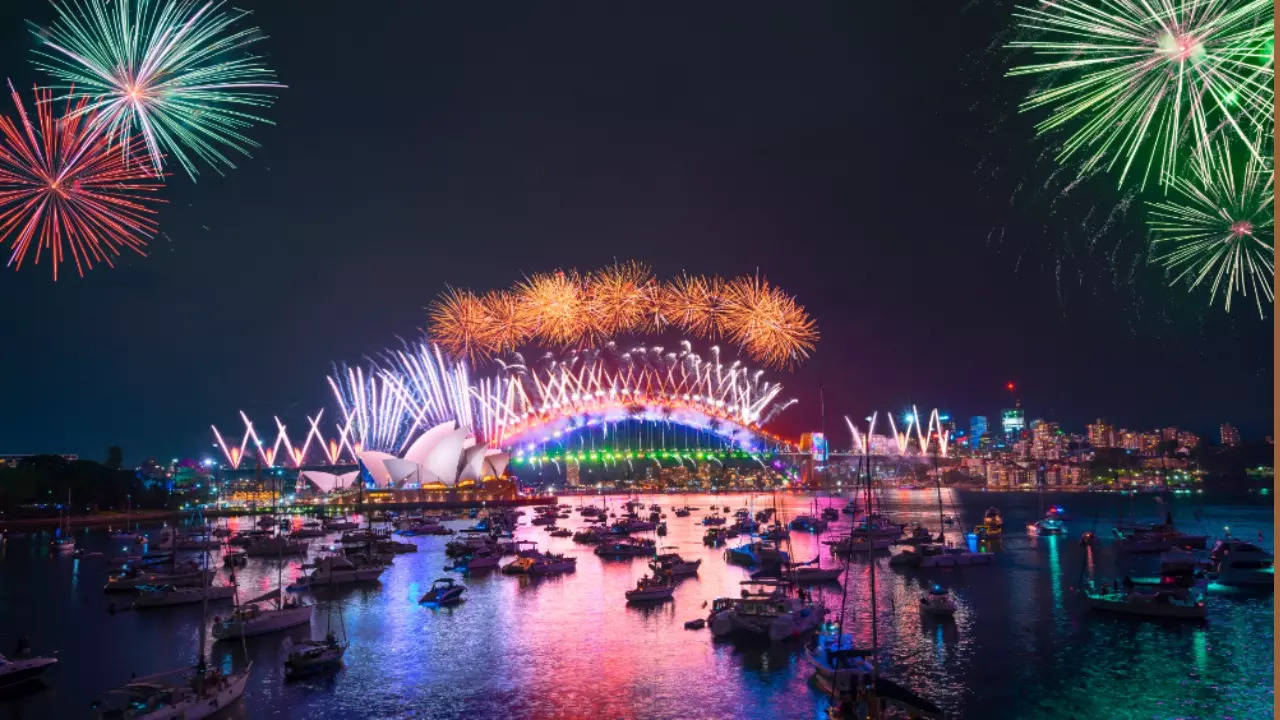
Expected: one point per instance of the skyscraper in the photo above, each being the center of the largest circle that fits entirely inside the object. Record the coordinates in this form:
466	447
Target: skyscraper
1229	435
977	428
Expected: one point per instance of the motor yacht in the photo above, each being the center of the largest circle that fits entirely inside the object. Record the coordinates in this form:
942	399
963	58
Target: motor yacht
312	656
186	694
937	601
153	596
275	545
770	613
655	588
256	618
1238	563
23	668
673	565
937	555
992	524
1145	601
808	523
444	591
340	570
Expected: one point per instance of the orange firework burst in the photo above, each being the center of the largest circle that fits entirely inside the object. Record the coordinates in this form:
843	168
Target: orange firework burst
619	296
693	303
509	321
768	323
557	306
460	322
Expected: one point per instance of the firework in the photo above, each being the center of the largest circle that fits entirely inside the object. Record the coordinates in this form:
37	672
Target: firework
461	323
509	321
65	189
693	303
1216	229
1137	83
375	412
173	71
766	322
620	295
558	307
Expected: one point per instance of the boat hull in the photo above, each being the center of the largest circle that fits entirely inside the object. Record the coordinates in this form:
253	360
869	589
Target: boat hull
269	622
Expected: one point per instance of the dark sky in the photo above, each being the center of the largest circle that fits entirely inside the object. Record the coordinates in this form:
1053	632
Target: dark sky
862	156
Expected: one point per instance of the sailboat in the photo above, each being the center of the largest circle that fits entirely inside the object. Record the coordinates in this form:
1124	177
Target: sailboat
188	693
312	656
849	673
127	535
65	542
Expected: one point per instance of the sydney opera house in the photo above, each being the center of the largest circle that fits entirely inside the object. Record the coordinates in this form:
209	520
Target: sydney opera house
444	464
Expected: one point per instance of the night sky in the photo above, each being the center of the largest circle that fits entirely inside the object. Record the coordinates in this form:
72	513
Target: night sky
871	164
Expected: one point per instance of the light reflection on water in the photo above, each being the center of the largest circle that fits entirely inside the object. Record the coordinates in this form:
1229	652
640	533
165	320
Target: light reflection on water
1019	646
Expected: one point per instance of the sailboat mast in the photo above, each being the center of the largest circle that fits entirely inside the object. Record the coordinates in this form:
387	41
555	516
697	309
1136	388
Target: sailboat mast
937	478
875	637
204	614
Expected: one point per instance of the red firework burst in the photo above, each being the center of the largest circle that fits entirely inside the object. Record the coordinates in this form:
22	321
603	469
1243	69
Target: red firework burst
67	188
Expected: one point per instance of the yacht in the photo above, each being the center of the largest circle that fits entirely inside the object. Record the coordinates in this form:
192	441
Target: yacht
1155	538
878	526
552	564
152	596
625	548
1046	526
808	523
992	524
714	537
340	570
339	524
1234	562
756	553
812	574
254	618
653	588
712	520
859	543
443	592
845	670
1182	604
674	565
770	613
312	656
936	555
176	694
275	545
184	574
22	669
937	601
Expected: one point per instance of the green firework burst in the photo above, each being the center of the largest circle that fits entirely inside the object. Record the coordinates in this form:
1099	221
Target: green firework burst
1216	228
1136	84
175	72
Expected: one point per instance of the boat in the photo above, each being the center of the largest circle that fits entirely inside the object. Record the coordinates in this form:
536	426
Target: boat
152	596
65	541
1046	527
14	671
808	575
480	560
830	514
682	512
768	613
673	565
919	534
938	555
662	529
552	564
275	545
443	592
1155	538
312	656
878	526
338	524
1179	604
937	601
254	618
188	693
625	548
776	533
808	523
992	524
1238	563
183	574
340	570
654	588
695	624
756	553
306	532
858	543
561	532
713	520
714	537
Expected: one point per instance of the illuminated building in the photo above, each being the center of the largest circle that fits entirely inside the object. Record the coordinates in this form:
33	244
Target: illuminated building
1228	435
1188	439
1169	434
1012	422
977	428
1149	443
1101	435
1046	438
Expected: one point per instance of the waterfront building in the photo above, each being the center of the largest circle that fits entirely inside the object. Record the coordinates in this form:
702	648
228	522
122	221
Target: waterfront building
1101	435
1169	433
1149	443
1188	440
1228	435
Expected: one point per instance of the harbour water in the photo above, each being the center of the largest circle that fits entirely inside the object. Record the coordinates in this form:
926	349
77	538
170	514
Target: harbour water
1021	644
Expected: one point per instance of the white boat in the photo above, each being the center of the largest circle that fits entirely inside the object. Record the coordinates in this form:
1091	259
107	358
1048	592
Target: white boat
186	574
934	555
179	694
654	588
340	570
22	669
65	542
151	596
552	564
1242	564
1047	526
255	618
937	601
772	614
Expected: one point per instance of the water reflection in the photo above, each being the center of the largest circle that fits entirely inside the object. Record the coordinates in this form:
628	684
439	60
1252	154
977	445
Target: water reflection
570	646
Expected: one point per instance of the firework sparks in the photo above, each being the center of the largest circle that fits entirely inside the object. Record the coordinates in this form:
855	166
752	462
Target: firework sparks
509	321
1216	229
558	306
460	322
66	189
1141	82
767	322
172	71
619	296
694	304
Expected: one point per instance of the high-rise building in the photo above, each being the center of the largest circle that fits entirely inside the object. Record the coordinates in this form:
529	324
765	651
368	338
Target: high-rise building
1228	435
1047	440
1188	439
1169	433
1012	422
1149	443
977	428
1125	439
1101	435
